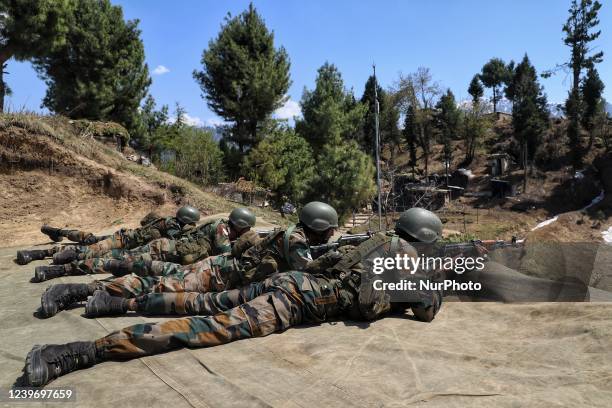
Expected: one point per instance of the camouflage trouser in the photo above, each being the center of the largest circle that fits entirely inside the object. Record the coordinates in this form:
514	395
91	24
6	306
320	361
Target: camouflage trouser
208	275
162	249
122	239
82	237
262	308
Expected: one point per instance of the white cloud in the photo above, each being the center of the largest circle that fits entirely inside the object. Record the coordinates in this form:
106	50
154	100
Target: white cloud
213	122
188	120
160	70
289	110
193	121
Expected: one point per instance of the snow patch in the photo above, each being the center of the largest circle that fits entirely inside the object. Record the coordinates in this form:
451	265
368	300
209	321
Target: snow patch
593	202
466	172
545	223
607	236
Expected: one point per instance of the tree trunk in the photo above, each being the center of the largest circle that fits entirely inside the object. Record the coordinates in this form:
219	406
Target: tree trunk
494	100
2	88
524	167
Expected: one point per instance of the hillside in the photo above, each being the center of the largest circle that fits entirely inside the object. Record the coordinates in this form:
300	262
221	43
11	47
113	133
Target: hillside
53	171
552	188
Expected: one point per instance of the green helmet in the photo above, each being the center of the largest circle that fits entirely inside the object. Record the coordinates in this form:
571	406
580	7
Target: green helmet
242	218
420	224
188	214
319	216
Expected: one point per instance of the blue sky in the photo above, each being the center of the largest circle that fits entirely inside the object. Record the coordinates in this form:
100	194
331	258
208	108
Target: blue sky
453	38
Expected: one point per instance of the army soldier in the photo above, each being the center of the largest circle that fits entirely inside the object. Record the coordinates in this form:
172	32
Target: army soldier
82	237
280	301
212	238
85	237
169	227
281	250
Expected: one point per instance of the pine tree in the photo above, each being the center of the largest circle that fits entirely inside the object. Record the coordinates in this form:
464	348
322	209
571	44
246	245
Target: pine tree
592	91
389	125
344	177
475	89
331	119
28	29
330	113
369	100
99	72
529	111
388	119
447	120
578	30
410	135
151	121
282	162
495	74
245	78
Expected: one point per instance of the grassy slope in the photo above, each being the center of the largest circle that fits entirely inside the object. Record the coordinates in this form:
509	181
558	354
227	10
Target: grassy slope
60	130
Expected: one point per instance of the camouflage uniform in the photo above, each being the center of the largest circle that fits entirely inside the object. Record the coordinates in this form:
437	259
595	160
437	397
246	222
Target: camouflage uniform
262	308
208	239
131	238
83	237
280	301
88	238
279	251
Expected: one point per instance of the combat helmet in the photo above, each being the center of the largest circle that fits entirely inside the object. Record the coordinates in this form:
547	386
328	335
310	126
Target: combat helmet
242	218
421	224
188	214
319	216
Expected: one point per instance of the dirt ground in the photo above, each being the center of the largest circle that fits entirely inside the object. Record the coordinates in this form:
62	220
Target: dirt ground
35	198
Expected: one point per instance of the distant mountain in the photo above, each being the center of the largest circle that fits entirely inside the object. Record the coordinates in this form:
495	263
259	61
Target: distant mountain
609	108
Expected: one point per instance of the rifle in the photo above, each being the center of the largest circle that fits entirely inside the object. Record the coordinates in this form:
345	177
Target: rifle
349	239
476	246
264	233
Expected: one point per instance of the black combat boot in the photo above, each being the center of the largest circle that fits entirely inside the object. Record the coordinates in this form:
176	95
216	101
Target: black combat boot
43	273
66	256
103	304
45	363
59	297
53	233
26	256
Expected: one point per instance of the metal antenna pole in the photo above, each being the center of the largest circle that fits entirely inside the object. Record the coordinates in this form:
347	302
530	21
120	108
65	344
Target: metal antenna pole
377	113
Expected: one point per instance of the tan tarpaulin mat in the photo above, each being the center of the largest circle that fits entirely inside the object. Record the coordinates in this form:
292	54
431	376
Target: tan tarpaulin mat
473	354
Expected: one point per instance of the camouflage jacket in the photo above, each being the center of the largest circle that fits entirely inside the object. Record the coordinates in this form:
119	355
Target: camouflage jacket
203	241
168	227
353	276
280	251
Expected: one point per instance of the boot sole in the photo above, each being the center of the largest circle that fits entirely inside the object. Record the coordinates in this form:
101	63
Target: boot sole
36	372
39	276
90	309
53	237
23	259
48	308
